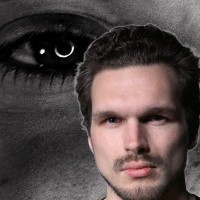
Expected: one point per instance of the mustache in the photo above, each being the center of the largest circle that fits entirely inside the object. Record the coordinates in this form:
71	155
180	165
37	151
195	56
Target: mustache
151	159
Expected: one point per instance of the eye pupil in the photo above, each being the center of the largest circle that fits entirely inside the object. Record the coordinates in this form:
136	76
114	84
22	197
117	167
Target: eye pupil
64	50
156	117
112	120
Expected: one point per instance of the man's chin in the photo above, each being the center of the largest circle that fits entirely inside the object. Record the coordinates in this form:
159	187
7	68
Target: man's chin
140	193
149	189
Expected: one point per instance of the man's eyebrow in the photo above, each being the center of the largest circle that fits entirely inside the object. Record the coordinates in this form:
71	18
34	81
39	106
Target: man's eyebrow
162	109
104	114
148	111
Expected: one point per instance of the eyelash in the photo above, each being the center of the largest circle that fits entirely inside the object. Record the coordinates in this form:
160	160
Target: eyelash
158	119
112	118
8	64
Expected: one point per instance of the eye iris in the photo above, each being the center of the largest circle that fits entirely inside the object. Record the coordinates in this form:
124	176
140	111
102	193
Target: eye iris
64	50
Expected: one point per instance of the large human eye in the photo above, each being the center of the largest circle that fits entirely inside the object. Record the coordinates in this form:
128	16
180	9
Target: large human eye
53	48
45	53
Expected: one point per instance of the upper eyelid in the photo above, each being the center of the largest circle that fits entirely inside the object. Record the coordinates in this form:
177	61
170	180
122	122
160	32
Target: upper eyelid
27	36
8	47
149	118
51	22
101	118
160	116
23	34
105	115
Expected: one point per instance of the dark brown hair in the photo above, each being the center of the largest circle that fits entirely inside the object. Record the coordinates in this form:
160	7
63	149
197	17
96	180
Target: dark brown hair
140	45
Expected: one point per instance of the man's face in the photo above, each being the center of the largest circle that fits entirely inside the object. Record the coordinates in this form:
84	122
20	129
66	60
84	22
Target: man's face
138	130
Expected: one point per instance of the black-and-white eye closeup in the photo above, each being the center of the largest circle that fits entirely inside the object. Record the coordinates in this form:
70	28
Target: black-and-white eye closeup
44	153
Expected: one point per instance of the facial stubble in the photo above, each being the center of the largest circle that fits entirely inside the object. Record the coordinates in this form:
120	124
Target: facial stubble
160	182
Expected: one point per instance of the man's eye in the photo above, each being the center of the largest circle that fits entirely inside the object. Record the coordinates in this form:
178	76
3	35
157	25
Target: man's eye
113	120
155	119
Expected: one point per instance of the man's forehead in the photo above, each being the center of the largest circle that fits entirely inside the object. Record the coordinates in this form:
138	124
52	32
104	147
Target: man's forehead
157	81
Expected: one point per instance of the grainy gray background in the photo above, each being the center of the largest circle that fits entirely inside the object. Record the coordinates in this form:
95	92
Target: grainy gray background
43	151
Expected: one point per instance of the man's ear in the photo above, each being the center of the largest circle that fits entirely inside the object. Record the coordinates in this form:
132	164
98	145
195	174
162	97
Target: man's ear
90	144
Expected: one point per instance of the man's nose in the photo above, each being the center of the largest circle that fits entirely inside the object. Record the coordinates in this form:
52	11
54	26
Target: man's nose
136	138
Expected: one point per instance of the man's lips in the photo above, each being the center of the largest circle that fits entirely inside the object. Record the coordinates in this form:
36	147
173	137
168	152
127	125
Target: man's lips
138	170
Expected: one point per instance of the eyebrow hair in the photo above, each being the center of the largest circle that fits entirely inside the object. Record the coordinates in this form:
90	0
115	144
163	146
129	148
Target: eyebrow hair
104	114
154	110
162	109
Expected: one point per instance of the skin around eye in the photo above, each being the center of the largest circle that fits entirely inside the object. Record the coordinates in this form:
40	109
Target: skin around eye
51	50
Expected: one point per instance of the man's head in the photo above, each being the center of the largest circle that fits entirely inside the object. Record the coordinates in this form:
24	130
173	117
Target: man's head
141	45
139	96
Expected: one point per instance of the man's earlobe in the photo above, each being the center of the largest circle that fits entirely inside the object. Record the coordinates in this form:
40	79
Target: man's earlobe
90	144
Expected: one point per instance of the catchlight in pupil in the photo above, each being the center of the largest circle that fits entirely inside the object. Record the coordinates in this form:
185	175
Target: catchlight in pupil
64	50
42	51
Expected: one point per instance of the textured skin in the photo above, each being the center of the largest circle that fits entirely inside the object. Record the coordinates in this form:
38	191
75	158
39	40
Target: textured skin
43	150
